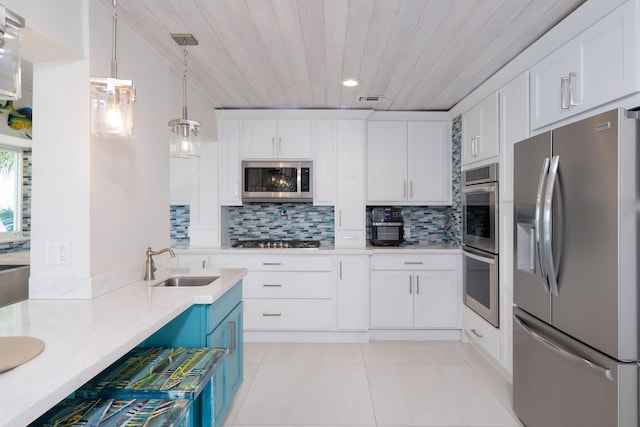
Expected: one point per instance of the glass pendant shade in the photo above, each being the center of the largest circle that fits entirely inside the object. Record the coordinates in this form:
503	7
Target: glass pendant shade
112	107
10	45
184	140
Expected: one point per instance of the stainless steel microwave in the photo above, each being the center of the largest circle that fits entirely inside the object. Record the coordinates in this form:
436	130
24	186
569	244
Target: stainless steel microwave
279	181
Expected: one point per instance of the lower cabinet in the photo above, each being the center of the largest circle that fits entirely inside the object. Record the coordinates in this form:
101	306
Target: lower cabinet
415	291
481	332
211	325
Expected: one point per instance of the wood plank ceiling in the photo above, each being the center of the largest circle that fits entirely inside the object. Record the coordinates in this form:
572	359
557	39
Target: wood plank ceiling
420	54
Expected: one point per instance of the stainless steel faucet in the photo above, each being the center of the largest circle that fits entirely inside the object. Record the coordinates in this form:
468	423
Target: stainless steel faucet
151	267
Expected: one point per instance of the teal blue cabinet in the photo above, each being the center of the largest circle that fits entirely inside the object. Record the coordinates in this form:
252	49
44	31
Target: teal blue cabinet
211	325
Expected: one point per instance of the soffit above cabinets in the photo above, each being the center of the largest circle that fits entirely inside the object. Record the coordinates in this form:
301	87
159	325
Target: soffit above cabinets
419	54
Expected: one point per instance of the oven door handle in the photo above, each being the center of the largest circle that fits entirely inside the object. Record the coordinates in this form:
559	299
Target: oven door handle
491	188
489	259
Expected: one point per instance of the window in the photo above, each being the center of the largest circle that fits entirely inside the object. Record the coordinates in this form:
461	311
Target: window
10	190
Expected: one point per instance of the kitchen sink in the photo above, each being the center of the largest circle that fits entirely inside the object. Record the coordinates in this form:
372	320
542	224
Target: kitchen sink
186	281
14	283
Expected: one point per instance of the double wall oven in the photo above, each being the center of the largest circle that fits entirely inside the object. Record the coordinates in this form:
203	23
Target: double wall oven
480	241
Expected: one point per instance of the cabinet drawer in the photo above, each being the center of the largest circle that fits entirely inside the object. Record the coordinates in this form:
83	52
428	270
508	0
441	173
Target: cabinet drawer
283	284
274	262
350	238
414	262
288	314
482	332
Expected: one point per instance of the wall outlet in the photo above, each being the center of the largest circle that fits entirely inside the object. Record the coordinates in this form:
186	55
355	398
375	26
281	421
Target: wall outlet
58	253
407	232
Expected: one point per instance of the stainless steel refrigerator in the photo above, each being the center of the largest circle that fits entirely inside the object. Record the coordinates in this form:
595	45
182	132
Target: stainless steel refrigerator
575	333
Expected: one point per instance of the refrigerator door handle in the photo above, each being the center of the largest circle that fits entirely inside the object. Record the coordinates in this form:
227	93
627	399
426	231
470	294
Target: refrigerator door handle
561	351
538	226
546	230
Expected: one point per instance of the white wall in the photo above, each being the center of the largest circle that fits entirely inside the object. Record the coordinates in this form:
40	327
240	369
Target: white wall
108	199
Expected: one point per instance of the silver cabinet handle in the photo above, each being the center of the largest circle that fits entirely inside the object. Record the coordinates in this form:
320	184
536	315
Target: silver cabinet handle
271	314
473	146
411	189
233	327
538	224
340	270
280	145
476	150
236	188
404	189
204	261
561	351
563	91
572	80
273	145
271	263
546	220
413	262
417	285
271	285
349	237
476	333
410	285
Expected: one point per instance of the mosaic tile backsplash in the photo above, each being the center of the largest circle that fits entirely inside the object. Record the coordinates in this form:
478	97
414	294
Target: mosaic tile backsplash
179	232
281	221
454	219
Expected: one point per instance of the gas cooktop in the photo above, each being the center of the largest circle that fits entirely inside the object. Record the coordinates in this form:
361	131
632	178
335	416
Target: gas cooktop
276	244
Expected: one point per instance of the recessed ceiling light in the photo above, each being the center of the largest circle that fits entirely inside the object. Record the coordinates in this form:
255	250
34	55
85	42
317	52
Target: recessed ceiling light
350	83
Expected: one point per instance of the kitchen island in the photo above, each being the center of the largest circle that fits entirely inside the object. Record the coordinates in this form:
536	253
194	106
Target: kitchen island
83	337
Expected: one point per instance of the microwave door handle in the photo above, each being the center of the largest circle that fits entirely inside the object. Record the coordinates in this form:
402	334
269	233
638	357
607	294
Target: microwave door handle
538	226
547	233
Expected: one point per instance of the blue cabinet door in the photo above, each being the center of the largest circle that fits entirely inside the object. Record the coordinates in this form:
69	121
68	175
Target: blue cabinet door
228	377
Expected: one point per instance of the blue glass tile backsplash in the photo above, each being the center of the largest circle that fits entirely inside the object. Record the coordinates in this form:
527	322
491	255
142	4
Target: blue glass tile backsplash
179	233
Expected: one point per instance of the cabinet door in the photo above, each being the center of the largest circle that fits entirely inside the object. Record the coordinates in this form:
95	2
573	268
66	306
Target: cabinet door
350	204
429	163
387	161
436	299
546	91
488	145
259	139
181	180
514	127
391	299
229	162
471	129
352	292
324	165
606	59
295	139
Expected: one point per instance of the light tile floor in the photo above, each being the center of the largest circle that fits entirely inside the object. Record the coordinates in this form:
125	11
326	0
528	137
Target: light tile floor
382	383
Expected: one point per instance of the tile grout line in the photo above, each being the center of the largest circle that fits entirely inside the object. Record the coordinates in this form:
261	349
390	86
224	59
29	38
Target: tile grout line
366	374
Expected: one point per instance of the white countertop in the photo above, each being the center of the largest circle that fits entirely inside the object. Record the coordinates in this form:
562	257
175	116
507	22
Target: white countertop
83	337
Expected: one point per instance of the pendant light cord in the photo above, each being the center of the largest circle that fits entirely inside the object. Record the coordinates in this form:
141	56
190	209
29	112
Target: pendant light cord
114	41
184	82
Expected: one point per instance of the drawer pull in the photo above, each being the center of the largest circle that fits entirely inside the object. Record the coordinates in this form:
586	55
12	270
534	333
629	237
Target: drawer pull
271	263
271	314
272	285
476	333
413	262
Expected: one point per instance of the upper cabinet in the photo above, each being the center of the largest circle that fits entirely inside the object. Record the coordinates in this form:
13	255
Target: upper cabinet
480	136
408	162
277	139
229	175
596	67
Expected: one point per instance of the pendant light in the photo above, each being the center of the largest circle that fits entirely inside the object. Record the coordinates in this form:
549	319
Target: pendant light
185	133
10	45
112	98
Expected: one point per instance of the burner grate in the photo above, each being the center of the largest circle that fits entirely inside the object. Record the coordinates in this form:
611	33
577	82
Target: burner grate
276	244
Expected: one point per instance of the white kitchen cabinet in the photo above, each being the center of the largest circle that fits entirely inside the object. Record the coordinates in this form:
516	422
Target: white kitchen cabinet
229	175
285	292
408	162
480	131
350	203
324	163
180	180
597	66
514	127
415	291
277	139
482	333
352	292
